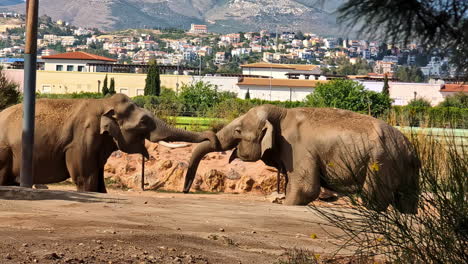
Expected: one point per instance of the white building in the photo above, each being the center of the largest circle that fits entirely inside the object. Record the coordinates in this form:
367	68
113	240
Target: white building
280	71
76	61
198	29
276	89
220	57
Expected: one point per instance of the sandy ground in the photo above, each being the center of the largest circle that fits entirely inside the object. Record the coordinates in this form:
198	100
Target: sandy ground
63	226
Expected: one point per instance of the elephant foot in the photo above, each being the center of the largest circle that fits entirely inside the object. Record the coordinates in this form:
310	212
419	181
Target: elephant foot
276	197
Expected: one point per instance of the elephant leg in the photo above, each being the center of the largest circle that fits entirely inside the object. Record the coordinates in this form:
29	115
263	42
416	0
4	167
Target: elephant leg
6	163
376	195
84	170
406	197
303	187
101	183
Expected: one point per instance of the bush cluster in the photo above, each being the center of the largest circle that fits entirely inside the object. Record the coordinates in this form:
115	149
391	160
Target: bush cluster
201	99
423	116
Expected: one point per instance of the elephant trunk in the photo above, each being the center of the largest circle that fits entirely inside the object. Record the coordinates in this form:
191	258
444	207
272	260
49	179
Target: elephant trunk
198	153
226	142
165	132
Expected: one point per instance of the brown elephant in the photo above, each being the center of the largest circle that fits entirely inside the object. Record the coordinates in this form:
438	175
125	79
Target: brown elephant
74	138
337	149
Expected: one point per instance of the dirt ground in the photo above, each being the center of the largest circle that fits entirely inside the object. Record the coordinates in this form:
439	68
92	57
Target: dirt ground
63	226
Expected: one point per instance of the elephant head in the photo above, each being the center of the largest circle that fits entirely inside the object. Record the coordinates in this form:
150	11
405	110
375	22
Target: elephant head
129	126
252	136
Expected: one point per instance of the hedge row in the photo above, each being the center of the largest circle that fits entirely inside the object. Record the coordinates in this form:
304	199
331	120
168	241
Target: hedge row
445	117
169	104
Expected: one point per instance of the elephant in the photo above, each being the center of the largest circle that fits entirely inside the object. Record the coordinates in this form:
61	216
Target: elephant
339	150
75	137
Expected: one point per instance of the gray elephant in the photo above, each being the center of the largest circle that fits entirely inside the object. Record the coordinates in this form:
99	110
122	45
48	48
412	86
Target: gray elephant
74	138
322	147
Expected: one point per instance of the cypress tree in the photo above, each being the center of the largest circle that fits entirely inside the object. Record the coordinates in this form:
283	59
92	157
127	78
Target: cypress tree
386	87
247	95
153	80
112	86
105	90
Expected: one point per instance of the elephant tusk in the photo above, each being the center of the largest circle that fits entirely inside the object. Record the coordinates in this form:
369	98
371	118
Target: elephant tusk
171	145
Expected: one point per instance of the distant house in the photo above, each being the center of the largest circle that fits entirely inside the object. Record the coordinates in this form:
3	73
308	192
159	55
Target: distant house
384	67
453	88
280	71
76	61
220	57
198	29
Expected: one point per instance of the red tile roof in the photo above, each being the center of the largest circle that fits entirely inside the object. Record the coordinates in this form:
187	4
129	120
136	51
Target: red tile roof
79	55
453	87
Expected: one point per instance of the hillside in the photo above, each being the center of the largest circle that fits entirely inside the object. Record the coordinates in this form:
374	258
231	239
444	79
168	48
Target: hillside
220	15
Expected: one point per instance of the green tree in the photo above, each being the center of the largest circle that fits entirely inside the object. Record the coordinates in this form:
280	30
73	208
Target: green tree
409	74
386	86
459	100
247	95
9	94
300	35
350	95
153	80
105	89
199	97
112	86
419	102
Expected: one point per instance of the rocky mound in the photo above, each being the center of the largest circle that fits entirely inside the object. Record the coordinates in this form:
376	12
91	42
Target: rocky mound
166	168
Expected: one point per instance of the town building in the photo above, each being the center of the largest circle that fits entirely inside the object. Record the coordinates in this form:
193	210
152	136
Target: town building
220	57
76	61
198	29
384	67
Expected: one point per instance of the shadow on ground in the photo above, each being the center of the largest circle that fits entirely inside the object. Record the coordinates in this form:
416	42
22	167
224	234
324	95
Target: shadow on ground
18	193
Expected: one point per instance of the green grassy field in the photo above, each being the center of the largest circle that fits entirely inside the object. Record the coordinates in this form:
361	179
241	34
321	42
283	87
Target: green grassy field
195	123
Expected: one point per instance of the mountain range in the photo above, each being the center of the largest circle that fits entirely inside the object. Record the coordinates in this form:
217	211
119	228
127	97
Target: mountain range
220	15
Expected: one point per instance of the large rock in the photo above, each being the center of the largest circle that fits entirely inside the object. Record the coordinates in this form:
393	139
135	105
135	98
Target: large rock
165	170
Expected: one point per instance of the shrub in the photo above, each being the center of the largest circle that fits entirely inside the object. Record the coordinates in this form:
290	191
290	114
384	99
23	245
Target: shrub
419	102
448	117
349	95
9	94
80	95
459	100
199	97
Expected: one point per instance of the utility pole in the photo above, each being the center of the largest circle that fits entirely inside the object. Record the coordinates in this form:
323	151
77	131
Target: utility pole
29	93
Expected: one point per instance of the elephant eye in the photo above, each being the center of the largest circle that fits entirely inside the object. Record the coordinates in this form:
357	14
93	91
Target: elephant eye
237	131
144	120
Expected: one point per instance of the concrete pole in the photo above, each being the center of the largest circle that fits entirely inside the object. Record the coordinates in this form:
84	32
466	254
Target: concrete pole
29	93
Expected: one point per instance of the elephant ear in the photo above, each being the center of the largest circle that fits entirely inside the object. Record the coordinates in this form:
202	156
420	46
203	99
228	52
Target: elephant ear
109	126
267	140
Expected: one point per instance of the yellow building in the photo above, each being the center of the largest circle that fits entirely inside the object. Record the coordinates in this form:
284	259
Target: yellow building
131	84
